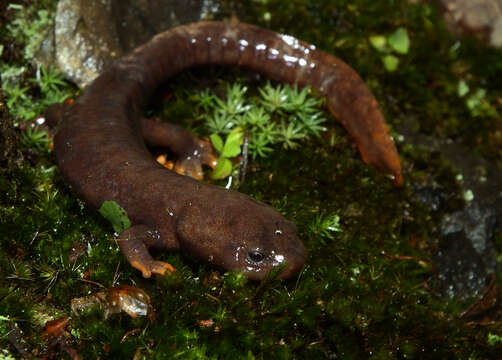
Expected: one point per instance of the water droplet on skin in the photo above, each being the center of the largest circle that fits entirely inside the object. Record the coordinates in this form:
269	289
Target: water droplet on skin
243	44
290	40
273	53
290	60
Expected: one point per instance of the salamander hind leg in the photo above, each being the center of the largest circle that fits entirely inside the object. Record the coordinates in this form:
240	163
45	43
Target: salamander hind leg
190	151
134	243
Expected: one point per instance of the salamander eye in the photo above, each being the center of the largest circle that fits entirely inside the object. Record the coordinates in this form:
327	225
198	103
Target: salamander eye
256	256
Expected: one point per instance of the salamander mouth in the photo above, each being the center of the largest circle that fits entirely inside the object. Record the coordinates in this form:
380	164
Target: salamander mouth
300	255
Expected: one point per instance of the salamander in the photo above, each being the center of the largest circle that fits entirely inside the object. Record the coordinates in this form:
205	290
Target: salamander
100	148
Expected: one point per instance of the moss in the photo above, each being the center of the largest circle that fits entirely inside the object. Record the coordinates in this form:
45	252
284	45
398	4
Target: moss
363	292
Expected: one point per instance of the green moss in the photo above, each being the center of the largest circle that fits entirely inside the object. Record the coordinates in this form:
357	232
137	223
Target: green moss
358	296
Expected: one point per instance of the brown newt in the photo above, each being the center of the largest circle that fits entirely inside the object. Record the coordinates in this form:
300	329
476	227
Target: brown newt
100	148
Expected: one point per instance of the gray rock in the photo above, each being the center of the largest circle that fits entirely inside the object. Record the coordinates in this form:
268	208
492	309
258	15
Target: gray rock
476	223
496	35
461	271
90	34
84	44
475	16
435	197
466	257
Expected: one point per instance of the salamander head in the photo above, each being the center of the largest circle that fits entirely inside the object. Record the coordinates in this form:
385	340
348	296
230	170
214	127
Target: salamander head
241	234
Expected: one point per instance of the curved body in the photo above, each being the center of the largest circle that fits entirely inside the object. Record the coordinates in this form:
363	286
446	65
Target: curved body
100	149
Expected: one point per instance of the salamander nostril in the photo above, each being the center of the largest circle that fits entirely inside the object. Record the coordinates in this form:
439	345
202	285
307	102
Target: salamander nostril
256	256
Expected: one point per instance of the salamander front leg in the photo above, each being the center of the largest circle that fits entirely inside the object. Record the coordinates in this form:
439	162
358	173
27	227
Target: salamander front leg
191	152
134	243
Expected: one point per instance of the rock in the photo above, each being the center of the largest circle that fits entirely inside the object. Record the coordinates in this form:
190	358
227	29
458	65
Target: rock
496	35
90	34
461	271
85	39
435	197
475	17
477	224
466	258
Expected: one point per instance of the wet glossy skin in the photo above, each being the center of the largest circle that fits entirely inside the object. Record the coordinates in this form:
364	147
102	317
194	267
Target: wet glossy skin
100	148
253	237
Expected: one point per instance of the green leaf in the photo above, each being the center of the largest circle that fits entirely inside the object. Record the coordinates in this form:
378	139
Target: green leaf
233	143
494	339
217	142
479	105
117	216
462	88
476	99
400	41
390	62
379	42
222	169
